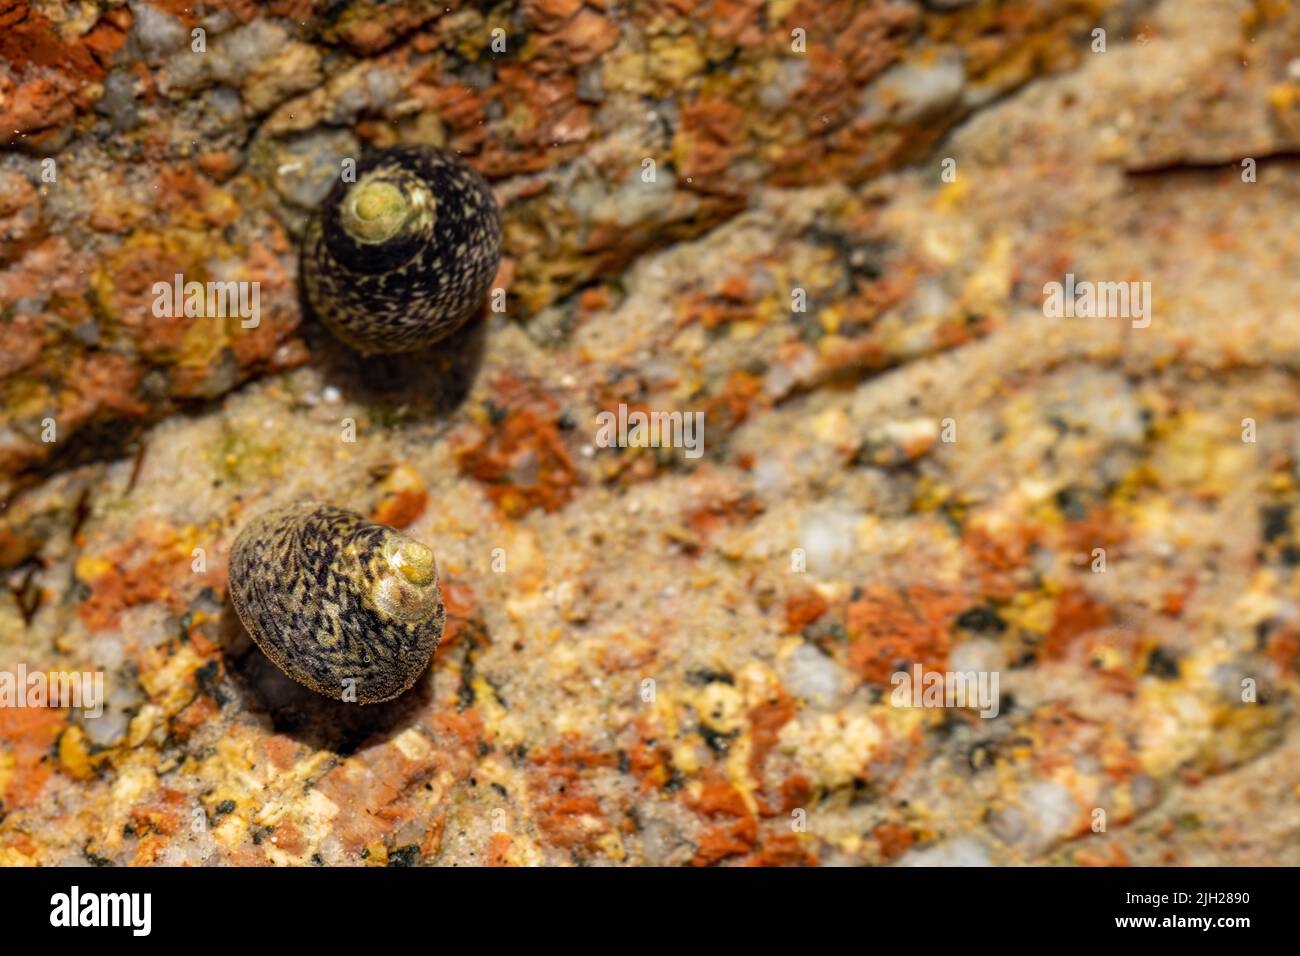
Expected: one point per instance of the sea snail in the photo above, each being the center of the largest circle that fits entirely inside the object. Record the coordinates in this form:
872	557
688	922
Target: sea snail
403	256
347	607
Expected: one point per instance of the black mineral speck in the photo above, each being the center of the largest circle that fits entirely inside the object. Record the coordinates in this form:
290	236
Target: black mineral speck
981	619
407	855
1163	664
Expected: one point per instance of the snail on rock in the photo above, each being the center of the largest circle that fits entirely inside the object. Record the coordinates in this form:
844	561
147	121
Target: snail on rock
403	256
347	607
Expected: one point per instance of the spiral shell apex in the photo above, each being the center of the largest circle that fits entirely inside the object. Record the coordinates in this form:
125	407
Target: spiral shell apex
403	256
344	606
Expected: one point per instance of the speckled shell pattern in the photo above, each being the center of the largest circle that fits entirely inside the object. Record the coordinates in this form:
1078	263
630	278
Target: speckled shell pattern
419	286
301	580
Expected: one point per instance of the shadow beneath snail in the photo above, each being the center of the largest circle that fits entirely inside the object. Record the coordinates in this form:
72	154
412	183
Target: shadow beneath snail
309	718
426	385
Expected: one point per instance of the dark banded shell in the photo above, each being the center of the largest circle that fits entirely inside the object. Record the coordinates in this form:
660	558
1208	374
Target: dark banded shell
347	607
404	256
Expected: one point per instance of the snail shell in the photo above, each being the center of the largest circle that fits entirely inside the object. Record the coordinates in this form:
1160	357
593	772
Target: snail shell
336	601
403	256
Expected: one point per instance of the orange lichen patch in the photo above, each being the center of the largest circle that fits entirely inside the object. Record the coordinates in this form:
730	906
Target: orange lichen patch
1283	647
565	810
622	652
595	299
124	285
107	36
203	646
433	838
461	109
1191	776
720	797
24	338
17	545
893	839
623	386
151	566
1055	731
457	735
795	791
846	359
1112	854
546	15
802	608
398	508
57	77
781	849
27	735
1075	613
707	139
1119	762
656	13
739	22
737	831
21	222
23	843
547	122
166	813
152	847
101	386
517	452
219	164
873	298
464	617
500	850
996	559
719	842
765	722
890	627
112	211
282	751
289	838
35	107
373	789
862	41
403	498
183	10
268	345
722	511
847	47
951	334
1100	528
49	269
181	188
1113	655
1173	603
735	288
648	763
734	402
577	41
369	27
712	309
192	201
202	711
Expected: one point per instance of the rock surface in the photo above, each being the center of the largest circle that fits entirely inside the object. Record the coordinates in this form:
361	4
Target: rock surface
653	658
